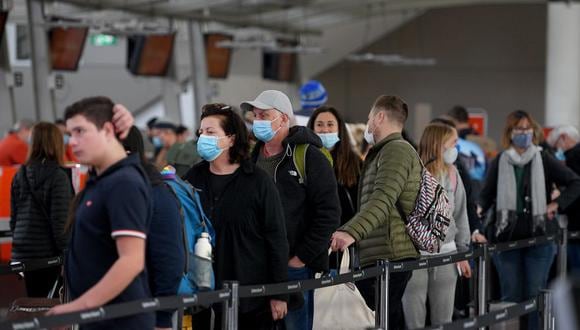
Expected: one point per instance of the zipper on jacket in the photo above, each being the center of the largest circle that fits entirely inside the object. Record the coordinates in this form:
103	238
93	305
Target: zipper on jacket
288	152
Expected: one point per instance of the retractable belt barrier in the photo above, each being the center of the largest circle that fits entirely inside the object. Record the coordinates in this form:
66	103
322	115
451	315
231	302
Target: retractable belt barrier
501	247
120	310
35	264
305	285
5	234
208	298
491	318
429	262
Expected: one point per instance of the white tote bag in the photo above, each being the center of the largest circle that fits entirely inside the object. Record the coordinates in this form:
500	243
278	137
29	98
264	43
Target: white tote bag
341	307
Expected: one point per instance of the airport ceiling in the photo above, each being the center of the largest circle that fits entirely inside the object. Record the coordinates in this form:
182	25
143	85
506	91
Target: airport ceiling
286	16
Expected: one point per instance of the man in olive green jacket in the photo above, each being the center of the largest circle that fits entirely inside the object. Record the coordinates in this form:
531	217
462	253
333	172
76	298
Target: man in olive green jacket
390	181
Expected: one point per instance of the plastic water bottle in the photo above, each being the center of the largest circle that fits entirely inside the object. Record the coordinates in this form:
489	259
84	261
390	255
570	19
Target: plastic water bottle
203	247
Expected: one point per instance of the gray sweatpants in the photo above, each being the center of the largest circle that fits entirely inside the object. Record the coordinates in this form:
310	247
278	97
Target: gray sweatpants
439	284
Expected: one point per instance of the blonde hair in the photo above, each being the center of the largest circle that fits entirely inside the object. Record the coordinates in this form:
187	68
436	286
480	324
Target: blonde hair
431	145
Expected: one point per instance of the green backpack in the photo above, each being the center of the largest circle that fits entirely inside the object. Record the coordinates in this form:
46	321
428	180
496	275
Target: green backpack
299	157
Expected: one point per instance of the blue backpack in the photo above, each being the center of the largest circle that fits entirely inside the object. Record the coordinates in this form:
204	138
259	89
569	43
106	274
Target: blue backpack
198	273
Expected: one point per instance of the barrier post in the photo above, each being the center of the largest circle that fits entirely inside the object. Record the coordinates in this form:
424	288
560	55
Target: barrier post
481	281
230	310
178	324
547	316
563	246
382	296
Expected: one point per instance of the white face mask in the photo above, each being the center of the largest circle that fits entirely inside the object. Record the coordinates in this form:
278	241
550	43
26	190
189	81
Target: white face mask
450	156
369	137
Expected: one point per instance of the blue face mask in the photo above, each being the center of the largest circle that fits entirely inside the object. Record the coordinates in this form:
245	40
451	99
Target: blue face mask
66	139
263	129
560	155
207	147
522	140
157	143
329	140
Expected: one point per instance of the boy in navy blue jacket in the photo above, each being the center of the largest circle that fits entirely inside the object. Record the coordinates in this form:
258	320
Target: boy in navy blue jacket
106	254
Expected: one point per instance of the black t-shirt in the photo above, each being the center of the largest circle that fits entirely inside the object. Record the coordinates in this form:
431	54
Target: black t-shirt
217	186
114	204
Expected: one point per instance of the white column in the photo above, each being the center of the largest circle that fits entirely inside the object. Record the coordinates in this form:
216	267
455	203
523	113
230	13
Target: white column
198	68
44	100
7	110
172	89
563	64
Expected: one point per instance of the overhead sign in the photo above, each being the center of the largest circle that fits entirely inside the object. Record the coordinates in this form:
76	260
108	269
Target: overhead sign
103	40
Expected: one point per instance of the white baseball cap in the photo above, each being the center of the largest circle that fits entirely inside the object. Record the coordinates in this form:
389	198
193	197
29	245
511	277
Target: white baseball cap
270	99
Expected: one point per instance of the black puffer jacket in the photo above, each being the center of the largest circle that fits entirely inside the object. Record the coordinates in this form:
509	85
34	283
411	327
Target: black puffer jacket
35	236
312	210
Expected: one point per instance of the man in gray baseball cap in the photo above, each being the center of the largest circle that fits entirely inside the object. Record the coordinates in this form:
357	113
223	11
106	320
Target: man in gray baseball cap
310	199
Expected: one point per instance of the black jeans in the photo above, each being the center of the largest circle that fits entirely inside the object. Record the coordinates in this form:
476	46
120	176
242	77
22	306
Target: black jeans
397	284
40	282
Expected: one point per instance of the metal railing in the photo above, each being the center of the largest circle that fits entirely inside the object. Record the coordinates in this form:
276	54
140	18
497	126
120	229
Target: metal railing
232	291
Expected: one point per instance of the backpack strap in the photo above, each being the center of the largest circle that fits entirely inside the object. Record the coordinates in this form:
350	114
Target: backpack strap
397	204
299	158
184	237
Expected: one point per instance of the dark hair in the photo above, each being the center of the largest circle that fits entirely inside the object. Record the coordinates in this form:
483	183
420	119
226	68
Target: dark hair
512	121
347	163
151	122
47	144
232	124
97	110
394	106
459	113
134	144
443	121
60	122
181	129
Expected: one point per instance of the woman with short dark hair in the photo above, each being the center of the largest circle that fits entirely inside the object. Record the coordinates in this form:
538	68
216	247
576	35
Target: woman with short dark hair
40	196
243	204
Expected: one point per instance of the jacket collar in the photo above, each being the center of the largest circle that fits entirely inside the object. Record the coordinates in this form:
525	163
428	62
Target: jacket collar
389	138
246	166
130	160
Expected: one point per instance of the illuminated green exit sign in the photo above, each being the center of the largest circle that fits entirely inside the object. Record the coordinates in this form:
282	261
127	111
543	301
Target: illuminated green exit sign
100	40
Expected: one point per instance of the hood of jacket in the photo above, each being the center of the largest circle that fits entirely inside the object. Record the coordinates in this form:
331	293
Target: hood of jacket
38	173
302	135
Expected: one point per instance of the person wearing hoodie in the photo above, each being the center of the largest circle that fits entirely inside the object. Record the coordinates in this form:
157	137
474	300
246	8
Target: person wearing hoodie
40	195
311	203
